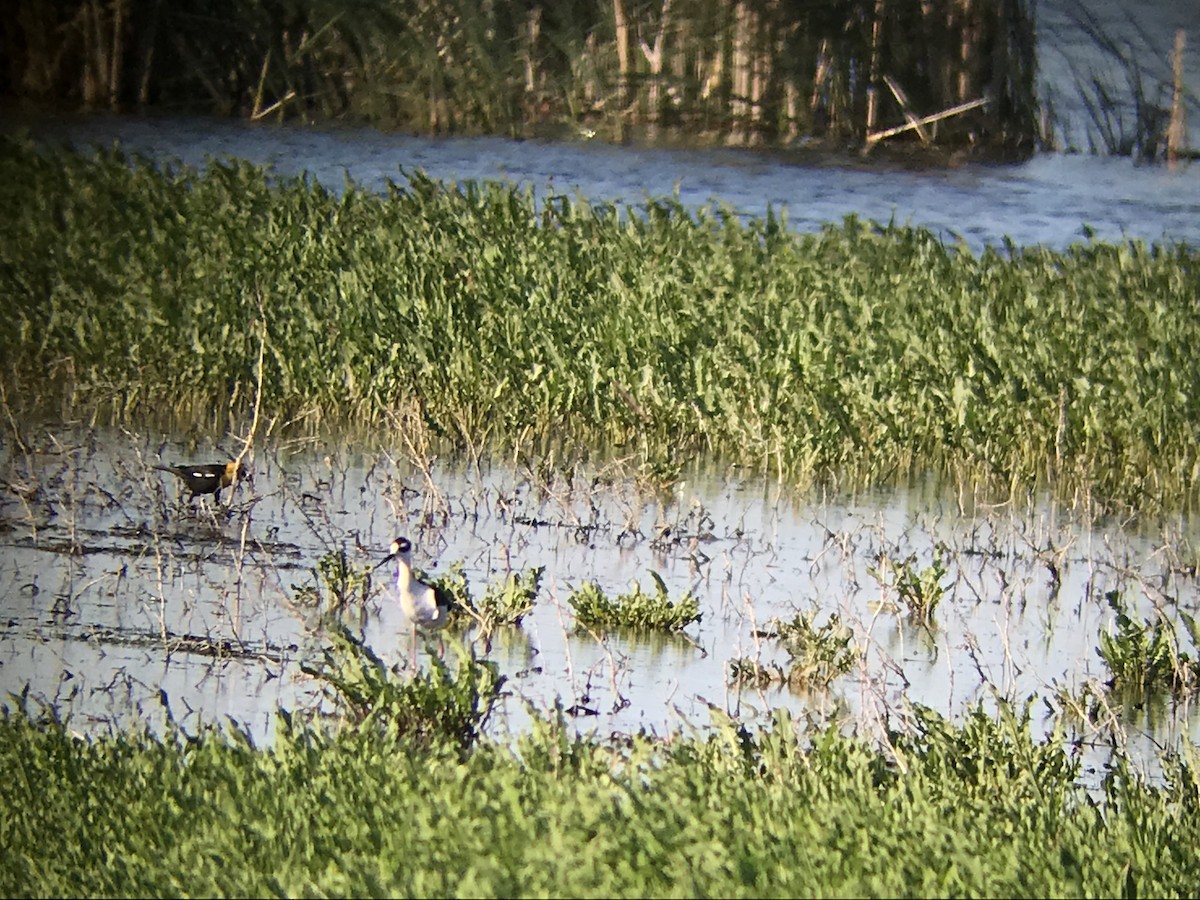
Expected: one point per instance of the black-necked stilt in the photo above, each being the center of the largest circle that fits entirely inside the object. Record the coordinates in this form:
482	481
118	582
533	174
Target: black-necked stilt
209	478
426	607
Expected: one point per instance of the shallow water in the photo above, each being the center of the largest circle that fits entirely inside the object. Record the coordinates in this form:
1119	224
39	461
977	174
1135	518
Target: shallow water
122	606
1053	200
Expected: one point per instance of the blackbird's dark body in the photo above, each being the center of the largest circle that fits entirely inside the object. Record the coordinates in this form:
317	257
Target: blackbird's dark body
209	478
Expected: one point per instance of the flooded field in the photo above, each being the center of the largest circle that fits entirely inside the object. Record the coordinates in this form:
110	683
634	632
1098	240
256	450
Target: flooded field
124	603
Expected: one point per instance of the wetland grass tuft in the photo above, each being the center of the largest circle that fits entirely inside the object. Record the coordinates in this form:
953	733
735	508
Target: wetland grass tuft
920	590
816	656
634	609
433	705
336	584
1144	657
508	600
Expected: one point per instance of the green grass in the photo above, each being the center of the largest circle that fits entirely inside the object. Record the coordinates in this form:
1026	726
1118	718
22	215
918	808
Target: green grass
335	583
430	707
970	810
1146	656
634	609
498	319
508	599
919	590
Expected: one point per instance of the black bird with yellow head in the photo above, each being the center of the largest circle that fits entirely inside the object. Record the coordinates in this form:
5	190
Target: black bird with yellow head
209	478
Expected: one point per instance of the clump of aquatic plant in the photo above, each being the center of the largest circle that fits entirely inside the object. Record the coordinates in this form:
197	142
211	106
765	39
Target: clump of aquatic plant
1145	656
336	583
816	655
635	608
919	589
750	672
432	704
508	600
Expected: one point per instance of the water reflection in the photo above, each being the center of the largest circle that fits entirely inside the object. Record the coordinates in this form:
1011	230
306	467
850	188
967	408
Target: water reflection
122	606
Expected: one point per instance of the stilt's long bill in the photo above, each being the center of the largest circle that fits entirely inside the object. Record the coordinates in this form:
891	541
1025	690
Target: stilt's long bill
209	478
426	607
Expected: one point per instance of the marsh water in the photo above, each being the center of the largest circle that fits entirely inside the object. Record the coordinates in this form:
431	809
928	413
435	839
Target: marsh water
124	604
1053	199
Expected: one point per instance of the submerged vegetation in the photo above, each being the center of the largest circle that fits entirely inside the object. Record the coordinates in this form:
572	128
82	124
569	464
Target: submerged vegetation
488	318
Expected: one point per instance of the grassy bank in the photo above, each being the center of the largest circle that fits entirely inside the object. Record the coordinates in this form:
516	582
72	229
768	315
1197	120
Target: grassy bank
491	318
979	809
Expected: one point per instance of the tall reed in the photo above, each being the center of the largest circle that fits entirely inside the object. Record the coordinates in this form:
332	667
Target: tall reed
732	71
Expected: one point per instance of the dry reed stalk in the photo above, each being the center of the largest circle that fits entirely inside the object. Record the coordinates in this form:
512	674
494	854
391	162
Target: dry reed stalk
1175	132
